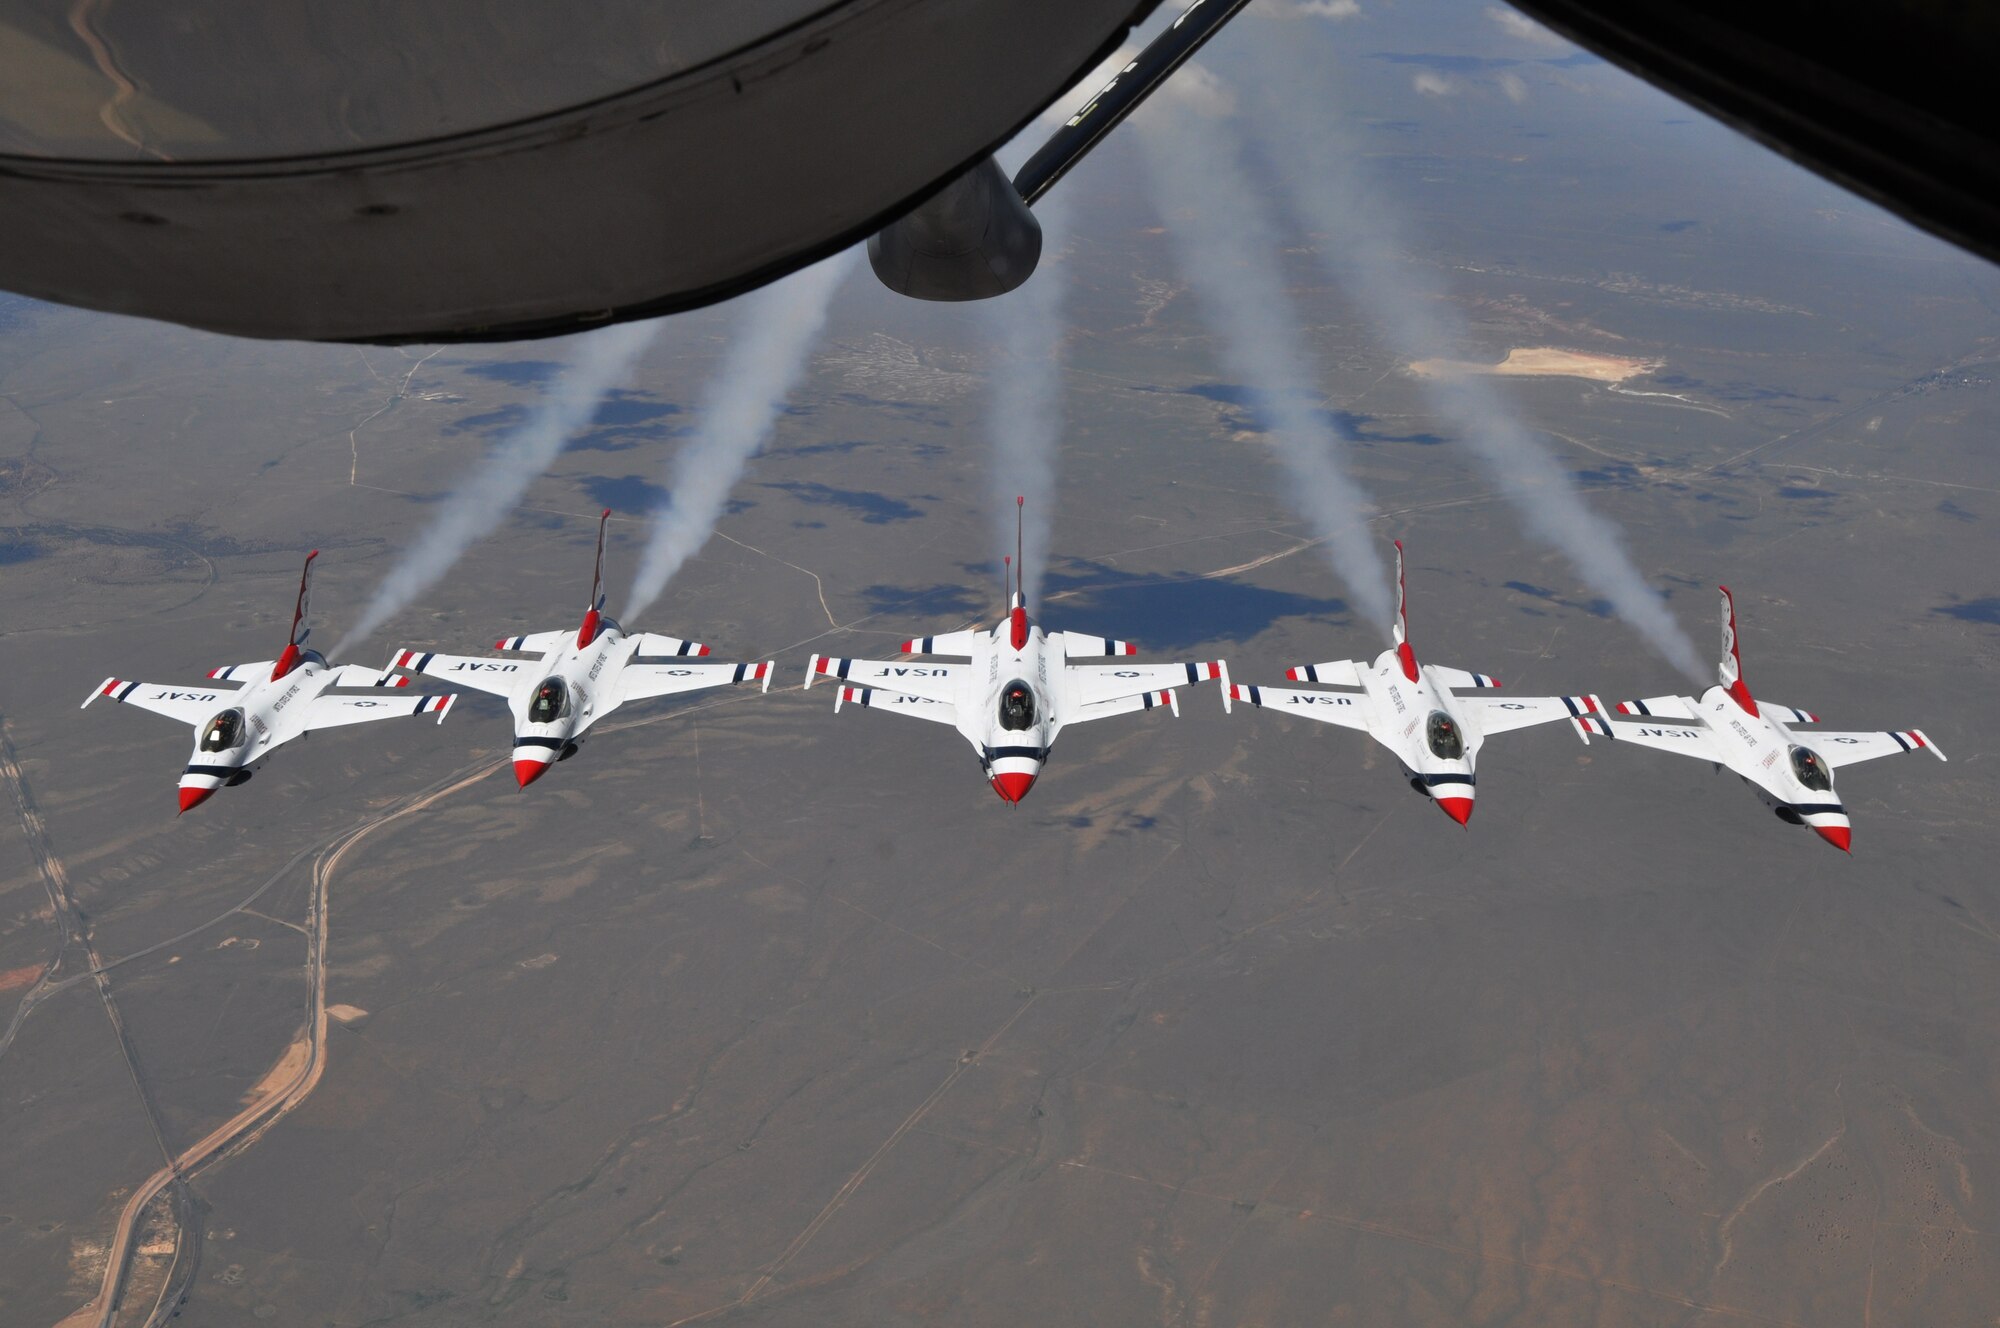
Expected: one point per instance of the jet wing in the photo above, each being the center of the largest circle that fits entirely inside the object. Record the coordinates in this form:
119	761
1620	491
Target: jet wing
1126	705
922	707
636	682
1686	739
1456	678
326	712
1094	686
951	643
938	682
1079	645
501	677
1333	673
1841	749
1497	715
1347	709
190	705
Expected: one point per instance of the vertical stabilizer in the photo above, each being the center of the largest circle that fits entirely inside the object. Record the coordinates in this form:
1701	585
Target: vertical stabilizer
290	659
1730	670
1017	611
1401	630
587	633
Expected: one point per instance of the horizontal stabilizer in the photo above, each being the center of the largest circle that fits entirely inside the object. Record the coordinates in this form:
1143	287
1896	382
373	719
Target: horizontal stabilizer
537	643
1333	673
1659	707
1079	645
654	646
950	643
1459	678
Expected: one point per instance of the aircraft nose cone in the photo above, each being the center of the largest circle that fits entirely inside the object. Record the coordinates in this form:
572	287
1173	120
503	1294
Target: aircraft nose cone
194	797
1458	809
527	772
1837	835
1013	786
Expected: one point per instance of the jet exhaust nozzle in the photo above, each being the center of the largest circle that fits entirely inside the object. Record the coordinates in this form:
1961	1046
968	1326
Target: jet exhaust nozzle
972	240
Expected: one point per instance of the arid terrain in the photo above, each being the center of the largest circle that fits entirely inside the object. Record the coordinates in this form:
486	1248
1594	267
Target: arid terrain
755	1013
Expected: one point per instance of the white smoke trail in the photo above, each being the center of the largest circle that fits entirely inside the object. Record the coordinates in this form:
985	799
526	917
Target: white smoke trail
778	327
1362	248
602	360
1230	255
1024	402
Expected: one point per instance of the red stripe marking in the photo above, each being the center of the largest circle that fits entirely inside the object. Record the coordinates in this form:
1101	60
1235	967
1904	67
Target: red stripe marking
1235	692
112	686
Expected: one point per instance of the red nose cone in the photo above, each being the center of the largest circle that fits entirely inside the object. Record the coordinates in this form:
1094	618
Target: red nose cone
527	772
194	797
1013	786
1837	835
1458	809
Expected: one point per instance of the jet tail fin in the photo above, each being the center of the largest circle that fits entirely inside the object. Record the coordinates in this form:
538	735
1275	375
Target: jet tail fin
587	632
300	629
1401	631
1730	669
597	576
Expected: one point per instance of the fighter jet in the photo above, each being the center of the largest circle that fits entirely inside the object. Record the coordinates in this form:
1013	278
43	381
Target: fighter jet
1732	728
582	675
266	704
1017	691
1410	708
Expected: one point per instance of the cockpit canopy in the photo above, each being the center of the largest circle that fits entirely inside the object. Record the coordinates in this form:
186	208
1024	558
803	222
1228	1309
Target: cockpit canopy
1811	770
1447	743
223	732
1017	706
551	702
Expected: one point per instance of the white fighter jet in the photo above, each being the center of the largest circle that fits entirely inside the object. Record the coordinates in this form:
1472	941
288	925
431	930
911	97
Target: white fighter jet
1791	772
582	675
1017	691
1410	708
267	704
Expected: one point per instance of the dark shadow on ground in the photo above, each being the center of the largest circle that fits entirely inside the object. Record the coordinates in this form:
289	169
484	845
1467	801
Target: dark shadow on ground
875	509
1168	613
1984	610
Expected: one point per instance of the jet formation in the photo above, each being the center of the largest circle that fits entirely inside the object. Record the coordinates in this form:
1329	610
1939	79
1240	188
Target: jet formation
1015	687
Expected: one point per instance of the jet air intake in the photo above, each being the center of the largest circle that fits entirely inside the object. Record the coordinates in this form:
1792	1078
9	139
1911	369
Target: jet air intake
971	240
